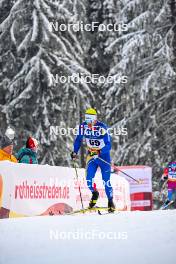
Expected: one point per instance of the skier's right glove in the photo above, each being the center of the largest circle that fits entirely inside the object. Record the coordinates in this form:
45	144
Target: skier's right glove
164	177
73	155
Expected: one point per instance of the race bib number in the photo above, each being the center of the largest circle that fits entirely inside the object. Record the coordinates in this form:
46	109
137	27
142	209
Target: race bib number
172	175
95	143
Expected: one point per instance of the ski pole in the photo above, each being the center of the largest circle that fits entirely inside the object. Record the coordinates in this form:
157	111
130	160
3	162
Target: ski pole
115	167
162	189
79	185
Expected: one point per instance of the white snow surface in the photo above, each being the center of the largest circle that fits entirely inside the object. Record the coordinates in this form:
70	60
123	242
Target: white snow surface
150	239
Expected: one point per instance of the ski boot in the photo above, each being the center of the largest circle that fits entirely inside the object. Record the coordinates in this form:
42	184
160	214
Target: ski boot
94	199
111	205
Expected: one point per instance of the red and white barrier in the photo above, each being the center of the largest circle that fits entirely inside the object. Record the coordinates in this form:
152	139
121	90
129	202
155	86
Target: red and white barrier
31	190
140	193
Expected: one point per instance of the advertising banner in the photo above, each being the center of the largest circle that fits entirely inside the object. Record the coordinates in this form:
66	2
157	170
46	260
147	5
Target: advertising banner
140	193
31	190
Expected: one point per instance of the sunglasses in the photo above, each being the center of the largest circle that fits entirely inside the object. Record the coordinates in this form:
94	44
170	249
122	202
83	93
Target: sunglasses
89	119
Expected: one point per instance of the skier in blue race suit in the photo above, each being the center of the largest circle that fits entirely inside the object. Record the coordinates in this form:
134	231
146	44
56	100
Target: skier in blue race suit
99	145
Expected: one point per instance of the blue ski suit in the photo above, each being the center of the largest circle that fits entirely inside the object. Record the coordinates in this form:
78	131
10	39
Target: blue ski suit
97	138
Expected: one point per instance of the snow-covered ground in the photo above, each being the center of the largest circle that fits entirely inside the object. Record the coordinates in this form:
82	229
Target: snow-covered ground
127	237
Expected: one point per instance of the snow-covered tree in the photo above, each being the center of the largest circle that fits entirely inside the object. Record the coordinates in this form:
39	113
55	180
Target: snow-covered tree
38	53
34	55
146	104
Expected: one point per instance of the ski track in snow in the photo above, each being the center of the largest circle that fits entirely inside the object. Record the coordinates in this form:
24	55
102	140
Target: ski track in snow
151	239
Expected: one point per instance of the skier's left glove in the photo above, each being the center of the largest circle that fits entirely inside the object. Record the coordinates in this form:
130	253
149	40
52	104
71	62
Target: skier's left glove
94	153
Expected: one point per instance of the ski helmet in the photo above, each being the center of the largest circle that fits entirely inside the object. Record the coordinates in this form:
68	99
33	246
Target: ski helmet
91	111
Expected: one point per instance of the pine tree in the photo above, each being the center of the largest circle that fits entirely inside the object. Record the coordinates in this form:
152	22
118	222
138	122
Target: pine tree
34	55
35	99
145	105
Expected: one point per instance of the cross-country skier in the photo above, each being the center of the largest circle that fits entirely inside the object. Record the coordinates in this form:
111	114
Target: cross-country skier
169	175
98	145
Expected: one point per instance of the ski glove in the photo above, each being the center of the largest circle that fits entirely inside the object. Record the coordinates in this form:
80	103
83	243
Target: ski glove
164	177
73	155
94	153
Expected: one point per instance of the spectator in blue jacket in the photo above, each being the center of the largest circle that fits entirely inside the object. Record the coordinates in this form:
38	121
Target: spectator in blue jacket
28	155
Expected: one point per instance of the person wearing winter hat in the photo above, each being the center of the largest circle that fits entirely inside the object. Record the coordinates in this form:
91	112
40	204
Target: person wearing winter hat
28	154
6	149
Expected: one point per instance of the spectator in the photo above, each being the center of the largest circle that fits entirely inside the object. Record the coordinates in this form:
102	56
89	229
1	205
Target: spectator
6	145
29	153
